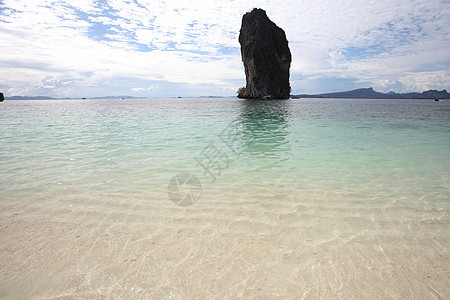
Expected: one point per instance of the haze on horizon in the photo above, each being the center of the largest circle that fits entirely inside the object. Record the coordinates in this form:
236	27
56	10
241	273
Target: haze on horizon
147	48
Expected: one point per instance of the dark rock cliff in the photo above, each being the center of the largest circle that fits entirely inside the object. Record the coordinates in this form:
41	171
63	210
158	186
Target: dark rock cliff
266	57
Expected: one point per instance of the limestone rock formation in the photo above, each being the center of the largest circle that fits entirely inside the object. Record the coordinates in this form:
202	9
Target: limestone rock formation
266	57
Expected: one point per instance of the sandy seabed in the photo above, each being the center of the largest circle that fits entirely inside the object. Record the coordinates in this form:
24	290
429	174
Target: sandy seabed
48	259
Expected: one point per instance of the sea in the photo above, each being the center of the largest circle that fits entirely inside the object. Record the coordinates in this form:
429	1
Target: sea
219	198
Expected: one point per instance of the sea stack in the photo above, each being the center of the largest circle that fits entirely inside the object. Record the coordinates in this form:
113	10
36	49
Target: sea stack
266	57
2	97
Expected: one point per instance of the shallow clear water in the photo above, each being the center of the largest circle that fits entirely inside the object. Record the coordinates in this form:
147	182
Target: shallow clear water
306	173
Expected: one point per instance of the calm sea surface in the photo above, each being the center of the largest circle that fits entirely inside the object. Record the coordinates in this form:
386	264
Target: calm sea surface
220	198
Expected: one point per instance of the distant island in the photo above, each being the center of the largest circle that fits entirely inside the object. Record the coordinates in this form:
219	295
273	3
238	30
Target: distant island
365	93
51	98
369	93
99	98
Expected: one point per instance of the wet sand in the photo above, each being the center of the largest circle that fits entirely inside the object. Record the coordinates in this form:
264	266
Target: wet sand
65	260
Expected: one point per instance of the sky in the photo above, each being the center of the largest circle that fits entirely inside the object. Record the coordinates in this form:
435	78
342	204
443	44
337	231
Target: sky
170	48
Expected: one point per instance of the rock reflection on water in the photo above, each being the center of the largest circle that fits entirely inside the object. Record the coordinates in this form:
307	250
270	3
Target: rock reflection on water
266	125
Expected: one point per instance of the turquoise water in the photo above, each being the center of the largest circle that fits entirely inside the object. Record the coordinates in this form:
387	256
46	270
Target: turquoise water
132	146
55	152
312	171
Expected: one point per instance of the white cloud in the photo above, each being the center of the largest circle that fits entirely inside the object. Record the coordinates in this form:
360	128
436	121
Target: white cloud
417	81
402	44
141	89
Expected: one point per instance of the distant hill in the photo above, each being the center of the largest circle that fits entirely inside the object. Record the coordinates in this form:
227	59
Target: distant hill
369	93
366	93
28	98
51	98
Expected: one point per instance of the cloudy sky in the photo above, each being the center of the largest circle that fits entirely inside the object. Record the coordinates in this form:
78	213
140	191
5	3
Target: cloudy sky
151	48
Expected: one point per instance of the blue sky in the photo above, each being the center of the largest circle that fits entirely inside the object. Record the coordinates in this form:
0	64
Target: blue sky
150	48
